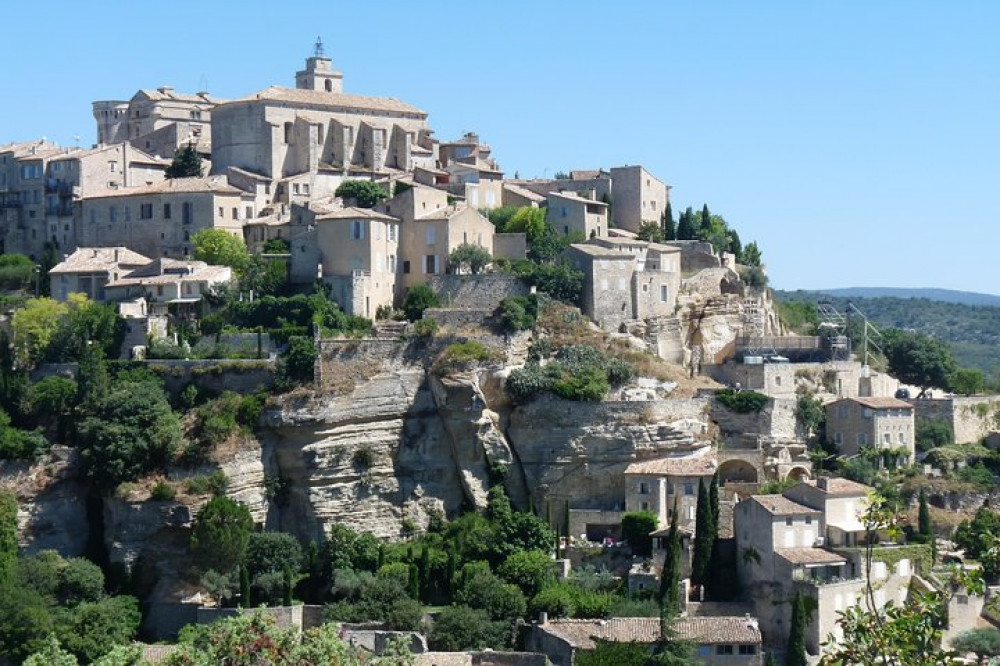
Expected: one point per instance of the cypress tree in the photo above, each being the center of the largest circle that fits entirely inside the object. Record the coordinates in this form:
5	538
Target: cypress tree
186	164
685	228
704	537
566	521
924	517
713	500
244	586
425	574
414	582
706	220
796	653
667	224
8	534
735	245
670	602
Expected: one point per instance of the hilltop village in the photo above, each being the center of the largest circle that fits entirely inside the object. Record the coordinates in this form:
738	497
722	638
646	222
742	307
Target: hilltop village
292	351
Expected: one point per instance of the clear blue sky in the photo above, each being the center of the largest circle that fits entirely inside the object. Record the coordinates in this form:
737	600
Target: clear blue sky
857	142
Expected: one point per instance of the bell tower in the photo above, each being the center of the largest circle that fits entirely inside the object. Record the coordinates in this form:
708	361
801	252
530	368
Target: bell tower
319	74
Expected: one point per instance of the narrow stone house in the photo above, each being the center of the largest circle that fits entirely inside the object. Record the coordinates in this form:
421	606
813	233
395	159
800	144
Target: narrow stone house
853	424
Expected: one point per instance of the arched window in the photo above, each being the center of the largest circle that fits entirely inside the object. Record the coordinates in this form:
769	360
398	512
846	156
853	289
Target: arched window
329	85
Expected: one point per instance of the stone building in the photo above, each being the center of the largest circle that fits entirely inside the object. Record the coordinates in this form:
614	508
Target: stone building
316	128
157	121
810	540
718	640
160	219
359	250
626	279
166	280
661	484
882	423
89	269
24	227
573	214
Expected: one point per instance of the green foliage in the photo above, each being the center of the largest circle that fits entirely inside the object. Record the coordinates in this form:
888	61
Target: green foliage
122	655
462	356
918	359
480	588
300	360
186	164
559	280
460	628
670	576
162	492
215	484
776	486
51	654
978	475
651	231
802	317
577	372
751	255
426	328
218	247
985	642
705	534
17	444
418	298
967	381
52	400
742	402
8	534
380	599
518	313
129	433
16	271
273	552
614	653
469	257
220	534
86	323
500	217
753	276
636	527
365	193
34	326
277	246
811	415
795	654
529	570
94	628
924	526
933	434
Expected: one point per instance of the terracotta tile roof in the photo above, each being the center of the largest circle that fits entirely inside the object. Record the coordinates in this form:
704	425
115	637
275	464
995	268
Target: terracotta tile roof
841	486
780	505
719	630
602	252
352	213
697	465
216	184
95	259
575	197
809	556
331	100
583	634
879	403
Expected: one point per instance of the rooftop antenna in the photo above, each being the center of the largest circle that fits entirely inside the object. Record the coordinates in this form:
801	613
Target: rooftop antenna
319	48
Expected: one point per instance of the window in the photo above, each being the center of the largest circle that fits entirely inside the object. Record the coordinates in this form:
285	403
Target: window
222	212
689	489
159	290
842	411
704	650
288	132
430	264
187	212
663	293
145	211
788	521
166	211
406	267
748	649
645	506
295	188
809	520
357	230
112	166
305	188
862	439
902	438
431	235
838	438
248	212
113	213
887	437
723	649
392	232
643	488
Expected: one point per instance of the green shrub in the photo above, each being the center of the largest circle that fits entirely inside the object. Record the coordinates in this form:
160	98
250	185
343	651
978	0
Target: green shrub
636	527
162	492
363	457
578	372
518	313
742	402
215	483
461	356
426	328
418	298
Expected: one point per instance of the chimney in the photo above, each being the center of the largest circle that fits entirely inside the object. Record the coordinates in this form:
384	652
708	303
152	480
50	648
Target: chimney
822	482
165	90
543	618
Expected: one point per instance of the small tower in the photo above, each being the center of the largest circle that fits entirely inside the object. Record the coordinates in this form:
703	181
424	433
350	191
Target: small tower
319	74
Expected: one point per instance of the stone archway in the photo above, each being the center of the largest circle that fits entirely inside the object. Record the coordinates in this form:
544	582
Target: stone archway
798	473
737	471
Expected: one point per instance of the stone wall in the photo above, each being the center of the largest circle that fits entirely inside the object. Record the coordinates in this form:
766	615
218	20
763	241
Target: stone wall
455	319
972	418
476	292
240	375
511	246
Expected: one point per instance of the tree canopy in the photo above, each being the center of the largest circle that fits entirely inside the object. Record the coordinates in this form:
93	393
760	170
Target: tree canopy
186	164
918	359
220	248
365	193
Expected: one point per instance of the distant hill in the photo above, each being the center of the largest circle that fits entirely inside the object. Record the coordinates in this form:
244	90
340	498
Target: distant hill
972	330
944	295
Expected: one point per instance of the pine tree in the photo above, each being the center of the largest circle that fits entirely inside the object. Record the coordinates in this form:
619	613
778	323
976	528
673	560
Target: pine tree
670	602
796	653
186	164
704	537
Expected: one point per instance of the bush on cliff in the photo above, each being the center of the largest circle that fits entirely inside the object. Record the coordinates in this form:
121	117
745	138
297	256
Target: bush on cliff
742	402
576	372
